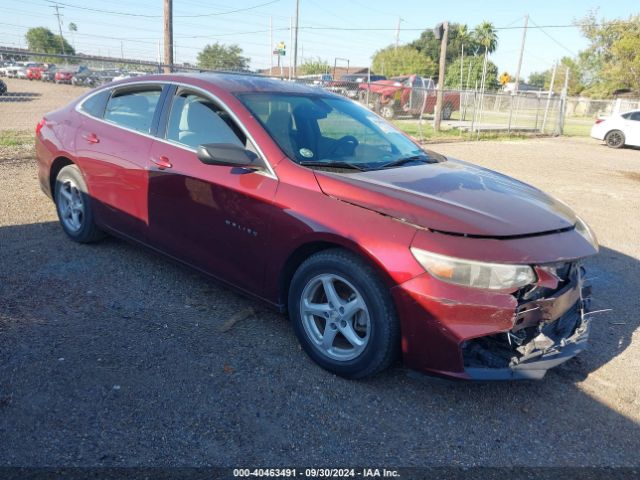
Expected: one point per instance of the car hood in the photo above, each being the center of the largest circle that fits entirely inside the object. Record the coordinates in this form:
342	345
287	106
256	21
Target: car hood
452	196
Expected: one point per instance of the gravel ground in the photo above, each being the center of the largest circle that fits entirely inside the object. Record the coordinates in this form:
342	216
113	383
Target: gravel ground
111	355
26	101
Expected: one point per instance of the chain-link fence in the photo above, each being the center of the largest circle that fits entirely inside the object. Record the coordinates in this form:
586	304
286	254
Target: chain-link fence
34	88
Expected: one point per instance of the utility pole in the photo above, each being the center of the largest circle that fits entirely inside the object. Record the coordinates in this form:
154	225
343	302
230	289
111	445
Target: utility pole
295	40
168	35
546	110
524	36
59	15
290	43
398	32
441	74
516	85
271	47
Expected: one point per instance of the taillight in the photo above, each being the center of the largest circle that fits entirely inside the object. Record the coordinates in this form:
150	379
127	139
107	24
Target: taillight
599	120
39	126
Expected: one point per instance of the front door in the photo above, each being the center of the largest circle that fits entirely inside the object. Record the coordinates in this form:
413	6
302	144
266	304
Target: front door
215	218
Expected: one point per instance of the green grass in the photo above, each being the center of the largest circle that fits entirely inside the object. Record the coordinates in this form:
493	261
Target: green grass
572	129
15	138
428	134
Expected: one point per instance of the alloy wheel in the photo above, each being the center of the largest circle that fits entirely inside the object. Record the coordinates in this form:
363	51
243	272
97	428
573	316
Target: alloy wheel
615	139
71	205
335	317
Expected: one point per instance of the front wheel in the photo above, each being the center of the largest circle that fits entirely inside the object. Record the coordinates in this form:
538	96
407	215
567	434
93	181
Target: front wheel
614	139
343	314
74	207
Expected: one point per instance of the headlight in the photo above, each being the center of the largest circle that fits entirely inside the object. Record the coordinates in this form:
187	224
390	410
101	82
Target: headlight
470	273
584	230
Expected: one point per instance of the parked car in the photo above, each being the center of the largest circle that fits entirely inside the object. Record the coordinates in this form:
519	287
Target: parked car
319	80
373	245
125	75
66	74
4	67
619	129
348	85
3	88
49	74
409	95
35	72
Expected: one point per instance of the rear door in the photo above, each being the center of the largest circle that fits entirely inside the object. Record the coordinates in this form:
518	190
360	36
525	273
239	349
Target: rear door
113	144
215	218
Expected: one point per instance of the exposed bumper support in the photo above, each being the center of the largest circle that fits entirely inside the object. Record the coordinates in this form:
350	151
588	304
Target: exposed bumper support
535	364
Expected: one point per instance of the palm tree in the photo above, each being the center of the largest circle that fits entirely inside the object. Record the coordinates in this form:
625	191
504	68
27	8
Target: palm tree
487	37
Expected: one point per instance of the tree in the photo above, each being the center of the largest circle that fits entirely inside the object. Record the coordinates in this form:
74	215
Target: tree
459	35
314	66
42	40
401	61
472	73
221	57
486	37
612	60
537	79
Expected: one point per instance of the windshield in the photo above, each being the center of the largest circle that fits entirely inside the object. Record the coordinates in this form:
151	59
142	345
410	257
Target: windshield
318	128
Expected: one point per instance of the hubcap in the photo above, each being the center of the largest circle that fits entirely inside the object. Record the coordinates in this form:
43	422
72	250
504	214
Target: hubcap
387	112
71	205
335	317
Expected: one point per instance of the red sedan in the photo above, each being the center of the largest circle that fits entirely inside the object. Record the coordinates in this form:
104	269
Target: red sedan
374	246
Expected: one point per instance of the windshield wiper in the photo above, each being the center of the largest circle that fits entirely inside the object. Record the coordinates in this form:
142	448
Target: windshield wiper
409	159
312	163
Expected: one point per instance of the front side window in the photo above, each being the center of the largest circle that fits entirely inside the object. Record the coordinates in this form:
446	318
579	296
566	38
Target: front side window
195	120
133	109
319	128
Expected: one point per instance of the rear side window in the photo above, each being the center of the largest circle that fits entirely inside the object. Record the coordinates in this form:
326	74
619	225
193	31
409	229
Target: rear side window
196	120
96	104
635	116
133	109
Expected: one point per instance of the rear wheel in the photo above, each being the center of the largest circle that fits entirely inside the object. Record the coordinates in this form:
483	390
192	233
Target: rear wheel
614	139
343	314
74	207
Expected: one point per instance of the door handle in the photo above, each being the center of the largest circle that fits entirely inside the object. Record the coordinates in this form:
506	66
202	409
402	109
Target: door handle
91	138
162	162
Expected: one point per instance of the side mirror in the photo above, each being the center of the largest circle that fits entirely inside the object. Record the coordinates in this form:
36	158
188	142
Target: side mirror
227	154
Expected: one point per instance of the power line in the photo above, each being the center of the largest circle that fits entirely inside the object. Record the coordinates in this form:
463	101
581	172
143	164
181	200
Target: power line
553	39
144	15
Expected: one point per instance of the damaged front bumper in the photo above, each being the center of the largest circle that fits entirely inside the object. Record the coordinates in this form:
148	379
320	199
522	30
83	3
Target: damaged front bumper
495	336
547	331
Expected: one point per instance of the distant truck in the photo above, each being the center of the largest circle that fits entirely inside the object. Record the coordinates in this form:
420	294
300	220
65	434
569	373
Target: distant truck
407	95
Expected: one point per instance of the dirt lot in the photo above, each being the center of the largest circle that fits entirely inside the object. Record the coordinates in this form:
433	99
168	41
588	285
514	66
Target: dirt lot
26	101
111	355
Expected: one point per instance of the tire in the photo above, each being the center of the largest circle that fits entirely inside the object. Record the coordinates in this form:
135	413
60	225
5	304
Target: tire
387	111
73	205
614	139
355	345
447	110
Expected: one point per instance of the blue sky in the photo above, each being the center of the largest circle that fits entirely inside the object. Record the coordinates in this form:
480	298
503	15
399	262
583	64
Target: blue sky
137	36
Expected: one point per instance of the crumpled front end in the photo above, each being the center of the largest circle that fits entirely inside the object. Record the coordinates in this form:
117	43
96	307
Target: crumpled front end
471	333
549	328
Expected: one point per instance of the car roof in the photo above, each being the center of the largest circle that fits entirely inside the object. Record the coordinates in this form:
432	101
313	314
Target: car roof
238	83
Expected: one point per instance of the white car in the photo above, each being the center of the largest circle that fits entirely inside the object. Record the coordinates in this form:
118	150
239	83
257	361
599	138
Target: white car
619	129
